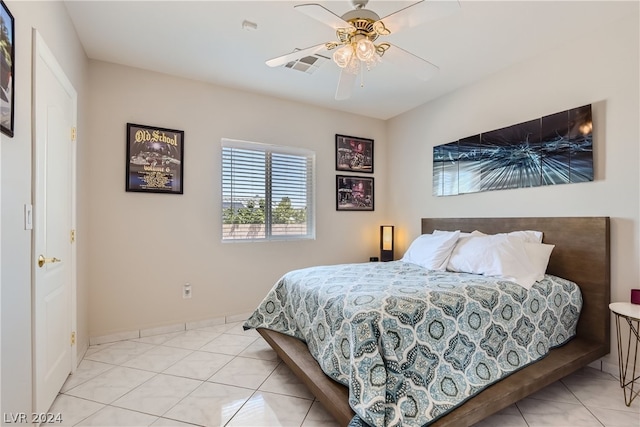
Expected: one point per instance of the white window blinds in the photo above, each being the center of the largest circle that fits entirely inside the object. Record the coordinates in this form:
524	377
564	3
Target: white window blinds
267	192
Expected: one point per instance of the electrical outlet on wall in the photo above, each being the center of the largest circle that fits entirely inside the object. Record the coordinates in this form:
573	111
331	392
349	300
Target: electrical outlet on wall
186	291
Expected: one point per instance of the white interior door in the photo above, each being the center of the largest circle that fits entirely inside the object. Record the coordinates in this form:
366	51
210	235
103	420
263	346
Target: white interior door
53	216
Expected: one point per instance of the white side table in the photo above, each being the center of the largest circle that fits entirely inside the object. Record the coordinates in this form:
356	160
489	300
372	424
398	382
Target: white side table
629	313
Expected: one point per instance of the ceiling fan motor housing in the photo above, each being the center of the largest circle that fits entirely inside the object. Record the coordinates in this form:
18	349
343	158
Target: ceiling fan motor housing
363	27
364	14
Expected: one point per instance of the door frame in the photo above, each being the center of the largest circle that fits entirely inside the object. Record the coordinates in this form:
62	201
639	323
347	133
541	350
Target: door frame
41	50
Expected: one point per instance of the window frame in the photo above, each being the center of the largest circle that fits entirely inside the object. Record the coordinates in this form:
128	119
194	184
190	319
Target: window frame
269	150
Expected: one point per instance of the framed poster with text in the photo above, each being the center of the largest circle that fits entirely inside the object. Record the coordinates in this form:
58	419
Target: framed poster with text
154	159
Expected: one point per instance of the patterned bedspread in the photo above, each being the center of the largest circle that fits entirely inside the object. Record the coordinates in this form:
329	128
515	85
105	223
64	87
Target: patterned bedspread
412	344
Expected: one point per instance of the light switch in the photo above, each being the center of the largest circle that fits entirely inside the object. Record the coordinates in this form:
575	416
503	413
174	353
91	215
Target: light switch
28	217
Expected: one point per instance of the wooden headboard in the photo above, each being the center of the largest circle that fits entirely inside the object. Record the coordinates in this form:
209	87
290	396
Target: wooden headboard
581	255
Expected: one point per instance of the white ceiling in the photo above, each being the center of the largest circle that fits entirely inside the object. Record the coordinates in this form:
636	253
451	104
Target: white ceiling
204	40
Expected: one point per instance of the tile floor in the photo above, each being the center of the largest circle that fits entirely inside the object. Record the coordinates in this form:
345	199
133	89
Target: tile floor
224	376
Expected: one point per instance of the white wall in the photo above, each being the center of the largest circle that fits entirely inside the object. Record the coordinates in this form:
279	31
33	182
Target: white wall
52	21
599	68
144	247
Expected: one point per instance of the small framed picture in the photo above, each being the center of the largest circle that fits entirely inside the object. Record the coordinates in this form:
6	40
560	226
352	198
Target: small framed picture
154	159
354	154
354	193
7	70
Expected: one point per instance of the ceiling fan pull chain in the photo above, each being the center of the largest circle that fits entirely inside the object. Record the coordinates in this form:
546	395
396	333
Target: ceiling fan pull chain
361	75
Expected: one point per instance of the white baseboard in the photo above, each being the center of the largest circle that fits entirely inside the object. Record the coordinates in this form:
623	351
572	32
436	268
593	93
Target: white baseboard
206	323
120	336
177	327
238	317
605	366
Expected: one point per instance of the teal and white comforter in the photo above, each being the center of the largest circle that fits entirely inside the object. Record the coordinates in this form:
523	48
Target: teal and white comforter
412	344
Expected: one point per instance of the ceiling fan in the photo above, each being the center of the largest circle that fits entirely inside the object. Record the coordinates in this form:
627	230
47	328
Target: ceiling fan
357	46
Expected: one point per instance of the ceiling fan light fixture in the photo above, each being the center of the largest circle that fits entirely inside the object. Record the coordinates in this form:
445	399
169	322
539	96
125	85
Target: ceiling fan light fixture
343	56
353	67
354	56
357	32
365	49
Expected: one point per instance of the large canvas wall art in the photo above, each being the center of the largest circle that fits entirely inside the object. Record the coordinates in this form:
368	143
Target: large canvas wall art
554	149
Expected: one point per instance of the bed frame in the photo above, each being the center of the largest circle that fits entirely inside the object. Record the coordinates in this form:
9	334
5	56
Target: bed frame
581	255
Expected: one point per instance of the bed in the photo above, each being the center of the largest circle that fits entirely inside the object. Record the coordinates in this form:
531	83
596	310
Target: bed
581	255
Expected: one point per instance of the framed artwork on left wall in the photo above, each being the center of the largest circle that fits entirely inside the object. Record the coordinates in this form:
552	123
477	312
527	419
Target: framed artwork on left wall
154	159
7	56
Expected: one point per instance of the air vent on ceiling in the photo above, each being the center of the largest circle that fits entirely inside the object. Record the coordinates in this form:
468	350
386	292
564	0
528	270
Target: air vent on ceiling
307	64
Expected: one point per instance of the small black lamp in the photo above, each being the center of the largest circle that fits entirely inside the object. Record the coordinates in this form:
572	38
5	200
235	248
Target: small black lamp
386	243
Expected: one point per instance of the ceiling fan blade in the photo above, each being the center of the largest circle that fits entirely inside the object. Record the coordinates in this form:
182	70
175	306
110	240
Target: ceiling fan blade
285	59
419	13
345	85
409	62
322	14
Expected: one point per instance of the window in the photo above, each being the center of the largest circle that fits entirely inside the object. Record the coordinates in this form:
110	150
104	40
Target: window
267	192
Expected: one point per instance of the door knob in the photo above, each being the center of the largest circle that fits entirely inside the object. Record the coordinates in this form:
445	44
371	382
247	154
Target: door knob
42	260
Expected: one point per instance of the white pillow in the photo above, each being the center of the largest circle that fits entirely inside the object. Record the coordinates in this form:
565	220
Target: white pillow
494	255
539	254
432	251
530	236
462	233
